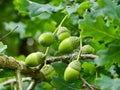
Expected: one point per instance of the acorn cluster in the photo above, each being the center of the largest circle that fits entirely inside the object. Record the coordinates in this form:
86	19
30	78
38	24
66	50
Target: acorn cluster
67	44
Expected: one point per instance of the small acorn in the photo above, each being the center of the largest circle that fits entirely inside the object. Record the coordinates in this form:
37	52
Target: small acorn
48	71
72	71
35	59
63	33
87	49
69	44
46	39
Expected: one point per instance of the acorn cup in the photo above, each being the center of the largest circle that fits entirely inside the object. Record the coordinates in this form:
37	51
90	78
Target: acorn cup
72	71
87	49
34	59
46	39
63	33
69	44
48	71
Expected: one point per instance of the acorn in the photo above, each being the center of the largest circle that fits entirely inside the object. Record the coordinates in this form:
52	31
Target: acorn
46	39
87	49
63	33
48	71
72	71
69	44
34	59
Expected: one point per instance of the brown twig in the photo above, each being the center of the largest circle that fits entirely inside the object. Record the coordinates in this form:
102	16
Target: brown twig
32	85
71	56
18	79
8	33
86	84
8	82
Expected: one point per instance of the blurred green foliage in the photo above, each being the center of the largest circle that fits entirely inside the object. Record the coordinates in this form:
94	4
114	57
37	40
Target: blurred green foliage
99	20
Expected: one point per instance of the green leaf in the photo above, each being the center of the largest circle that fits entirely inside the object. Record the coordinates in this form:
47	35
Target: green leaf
106	83
97	29
109	56
89	68
21	28
59	67
60	84
6	73
43	86
21	5
36	8
2	47
110	9
83	7
71	9
21	58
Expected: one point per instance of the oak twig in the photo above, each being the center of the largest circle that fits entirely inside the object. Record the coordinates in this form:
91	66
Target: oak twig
32	85
73	56
8	82
8	33
13	64
86	84
18	79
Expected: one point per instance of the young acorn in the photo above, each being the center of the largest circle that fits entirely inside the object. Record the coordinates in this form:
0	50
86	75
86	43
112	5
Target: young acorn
63	33
35	59
72	71
86	49
48	71
46	39
69	44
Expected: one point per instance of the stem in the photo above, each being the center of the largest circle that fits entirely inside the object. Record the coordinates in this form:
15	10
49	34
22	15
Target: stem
8	33
78	57
46	54
54	34
60	23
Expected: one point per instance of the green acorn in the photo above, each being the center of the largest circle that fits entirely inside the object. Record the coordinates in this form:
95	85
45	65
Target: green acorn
48	72
68	44
86	49
63	33
35	59
46	39
72	71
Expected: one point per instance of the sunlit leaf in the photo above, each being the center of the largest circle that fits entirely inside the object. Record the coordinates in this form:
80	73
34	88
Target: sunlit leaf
36	9
2	47
21	27
89	68
106	83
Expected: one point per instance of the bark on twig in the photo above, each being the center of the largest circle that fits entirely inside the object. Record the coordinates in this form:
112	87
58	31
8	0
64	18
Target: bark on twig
86	84
32	85
68	57
18	79
8	82
11	63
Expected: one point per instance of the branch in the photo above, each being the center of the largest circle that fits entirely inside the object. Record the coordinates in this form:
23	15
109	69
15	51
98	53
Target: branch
11	63
8	33
91	87
18	79
14	81
32	85
68	57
